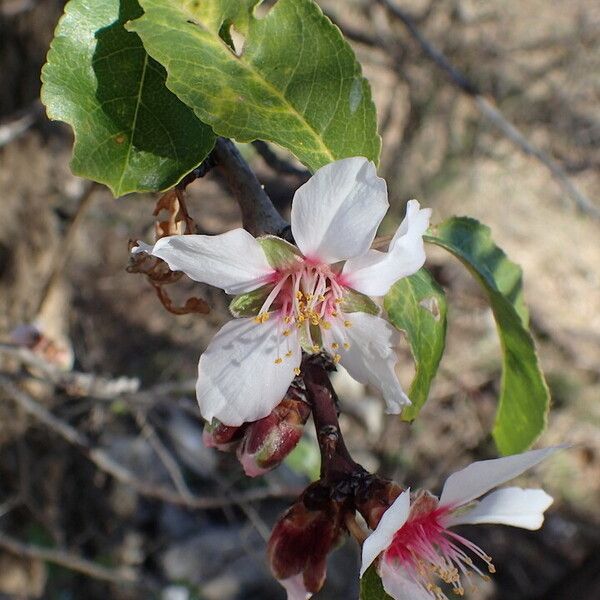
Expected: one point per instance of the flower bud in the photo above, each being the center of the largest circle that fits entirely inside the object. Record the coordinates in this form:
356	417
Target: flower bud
302	539
222	437
374	497
269	440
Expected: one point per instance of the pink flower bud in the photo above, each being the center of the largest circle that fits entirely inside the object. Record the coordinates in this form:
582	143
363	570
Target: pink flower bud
222	437
301	541
269	440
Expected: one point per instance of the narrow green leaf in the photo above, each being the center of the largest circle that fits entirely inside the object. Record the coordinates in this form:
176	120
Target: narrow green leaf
524	395
296	83
131	132
371	587
417	306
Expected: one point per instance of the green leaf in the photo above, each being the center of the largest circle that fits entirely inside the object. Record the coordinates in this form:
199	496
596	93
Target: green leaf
131	132
417	306
296	83
524	395
371	587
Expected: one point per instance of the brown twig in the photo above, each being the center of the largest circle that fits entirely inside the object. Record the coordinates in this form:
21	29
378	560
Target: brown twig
107	464
118	576
259	215
18	124
63	253
74	382
336	462
491	112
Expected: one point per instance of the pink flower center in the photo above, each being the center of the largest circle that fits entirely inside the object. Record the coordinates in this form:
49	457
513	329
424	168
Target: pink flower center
307	297
427	550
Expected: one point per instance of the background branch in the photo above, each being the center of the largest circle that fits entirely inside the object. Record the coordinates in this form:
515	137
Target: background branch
493	114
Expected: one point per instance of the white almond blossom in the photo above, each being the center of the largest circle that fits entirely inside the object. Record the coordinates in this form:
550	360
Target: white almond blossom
311	297
415	545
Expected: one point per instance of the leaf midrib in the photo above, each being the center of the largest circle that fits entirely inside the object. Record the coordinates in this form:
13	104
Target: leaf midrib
134	123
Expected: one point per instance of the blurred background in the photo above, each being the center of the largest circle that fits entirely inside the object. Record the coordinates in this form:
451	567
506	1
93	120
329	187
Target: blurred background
182	521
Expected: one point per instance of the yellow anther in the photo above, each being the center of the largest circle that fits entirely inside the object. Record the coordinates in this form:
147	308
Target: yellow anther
335	346
326	325
297	371
338	300
321	298
278	360
491	568
347	323
334	313
346	346
336	358
288	354
287	319
299	295
261	317
316	348
309	297
286	332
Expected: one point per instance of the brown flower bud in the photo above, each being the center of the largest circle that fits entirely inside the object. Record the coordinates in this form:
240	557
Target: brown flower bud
302	539
374	497
269	440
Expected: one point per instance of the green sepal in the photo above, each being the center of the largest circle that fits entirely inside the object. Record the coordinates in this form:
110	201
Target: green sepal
248	305
279	253
354	301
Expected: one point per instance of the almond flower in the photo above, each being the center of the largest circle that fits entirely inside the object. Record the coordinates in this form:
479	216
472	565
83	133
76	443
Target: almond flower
416	546
313	296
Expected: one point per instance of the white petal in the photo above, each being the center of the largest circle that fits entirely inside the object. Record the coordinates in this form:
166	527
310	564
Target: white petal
480	477
391	521
233	261
335	214
375	272
294	586
372	357
509	506
399	585
238	379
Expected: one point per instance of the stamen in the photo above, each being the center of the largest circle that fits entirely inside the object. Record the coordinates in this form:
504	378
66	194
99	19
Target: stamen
347	323
297	371
346	346
278	360
261	317
288	354
286	332
335	346
336	358
316	348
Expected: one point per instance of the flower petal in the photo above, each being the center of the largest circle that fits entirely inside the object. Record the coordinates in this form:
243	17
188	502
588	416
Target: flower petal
375	272
238	378
294	586
509	506
391	521
233	261
371	357
399	585
335	214
480	477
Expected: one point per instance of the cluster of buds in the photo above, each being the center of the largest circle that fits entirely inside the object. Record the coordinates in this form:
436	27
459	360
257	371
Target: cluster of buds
316	523
262	445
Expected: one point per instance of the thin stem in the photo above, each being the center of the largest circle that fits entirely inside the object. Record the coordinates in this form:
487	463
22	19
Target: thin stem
336	462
